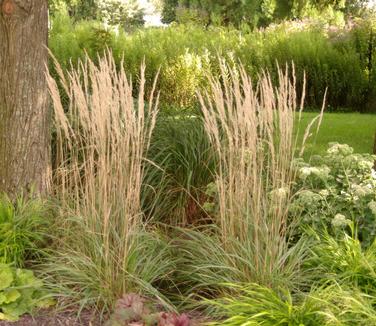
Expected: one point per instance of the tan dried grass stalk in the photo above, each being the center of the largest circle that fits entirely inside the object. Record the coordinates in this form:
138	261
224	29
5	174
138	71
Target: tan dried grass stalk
252	131
101	142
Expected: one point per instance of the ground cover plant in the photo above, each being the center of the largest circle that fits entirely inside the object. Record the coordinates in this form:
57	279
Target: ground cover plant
20	292
24	238
331	305
24	229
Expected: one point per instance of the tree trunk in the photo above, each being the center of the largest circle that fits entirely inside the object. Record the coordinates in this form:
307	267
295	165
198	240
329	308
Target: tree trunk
24	111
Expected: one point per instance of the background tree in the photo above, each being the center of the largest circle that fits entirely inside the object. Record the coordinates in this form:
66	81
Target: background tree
24	113
77	9
258	12
125	13
169	11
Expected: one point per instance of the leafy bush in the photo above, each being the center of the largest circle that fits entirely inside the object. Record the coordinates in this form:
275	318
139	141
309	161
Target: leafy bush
125	14
326	64
23	229
185	75
20	292
186	53
337	186
362	39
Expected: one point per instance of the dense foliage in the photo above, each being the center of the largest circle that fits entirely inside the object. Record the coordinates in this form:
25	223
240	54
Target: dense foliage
189	191
336	190
340	60
126	14
256	13
324	306
23	229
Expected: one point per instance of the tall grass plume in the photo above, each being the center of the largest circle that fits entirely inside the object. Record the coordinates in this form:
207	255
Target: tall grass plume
251	129
102	137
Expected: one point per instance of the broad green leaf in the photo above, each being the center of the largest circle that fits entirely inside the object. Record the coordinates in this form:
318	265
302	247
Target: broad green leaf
11	295
16	308
2	298
6	276
8	317
45	303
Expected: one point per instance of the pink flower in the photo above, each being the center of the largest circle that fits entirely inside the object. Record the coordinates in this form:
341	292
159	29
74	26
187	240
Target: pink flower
134	302
168	319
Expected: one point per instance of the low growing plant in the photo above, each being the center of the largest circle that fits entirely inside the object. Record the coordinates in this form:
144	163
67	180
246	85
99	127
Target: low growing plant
24	225
338	185
258	305
132	309
20	292
328	305
342	258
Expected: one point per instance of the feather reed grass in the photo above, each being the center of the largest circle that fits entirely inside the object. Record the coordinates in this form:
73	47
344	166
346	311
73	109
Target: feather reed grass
104	248
251	129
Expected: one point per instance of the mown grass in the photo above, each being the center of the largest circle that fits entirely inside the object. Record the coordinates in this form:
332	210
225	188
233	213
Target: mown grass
354	129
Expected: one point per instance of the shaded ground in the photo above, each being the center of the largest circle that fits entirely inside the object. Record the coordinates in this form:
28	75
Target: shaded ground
48	318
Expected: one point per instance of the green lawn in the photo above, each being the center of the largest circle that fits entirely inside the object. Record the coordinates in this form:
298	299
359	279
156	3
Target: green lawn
355	129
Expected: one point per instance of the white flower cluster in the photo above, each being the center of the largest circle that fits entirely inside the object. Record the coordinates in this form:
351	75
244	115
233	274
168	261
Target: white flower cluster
319	172
337	184
339	149
372	207
373	174
361	191
340	221
279	195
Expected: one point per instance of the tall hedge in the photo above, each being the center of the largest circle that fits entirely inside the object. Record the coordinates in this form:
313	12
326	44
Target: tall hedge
338	60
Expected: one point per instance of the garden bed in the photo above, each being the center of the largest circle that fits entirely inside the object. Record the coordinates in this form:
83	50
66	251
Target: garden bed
52	318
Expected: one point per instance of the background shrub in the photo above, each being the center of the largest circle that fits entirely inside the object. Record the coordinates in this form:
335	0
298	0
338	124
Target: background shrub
341	60
182	165
339	186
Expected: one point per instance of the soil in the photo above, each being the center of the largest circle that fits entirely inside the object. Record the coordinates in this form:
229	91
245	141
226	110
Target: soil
48	318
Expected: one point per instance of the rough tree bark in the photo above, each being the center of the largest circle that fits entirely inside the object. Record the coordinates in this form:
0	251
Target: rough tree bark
24	112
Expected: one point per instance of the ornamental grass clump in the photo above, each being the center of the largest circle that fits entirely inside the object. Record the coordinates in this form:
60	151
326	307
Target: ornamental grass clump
104	248
342	259
251	130
326	305
24	229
